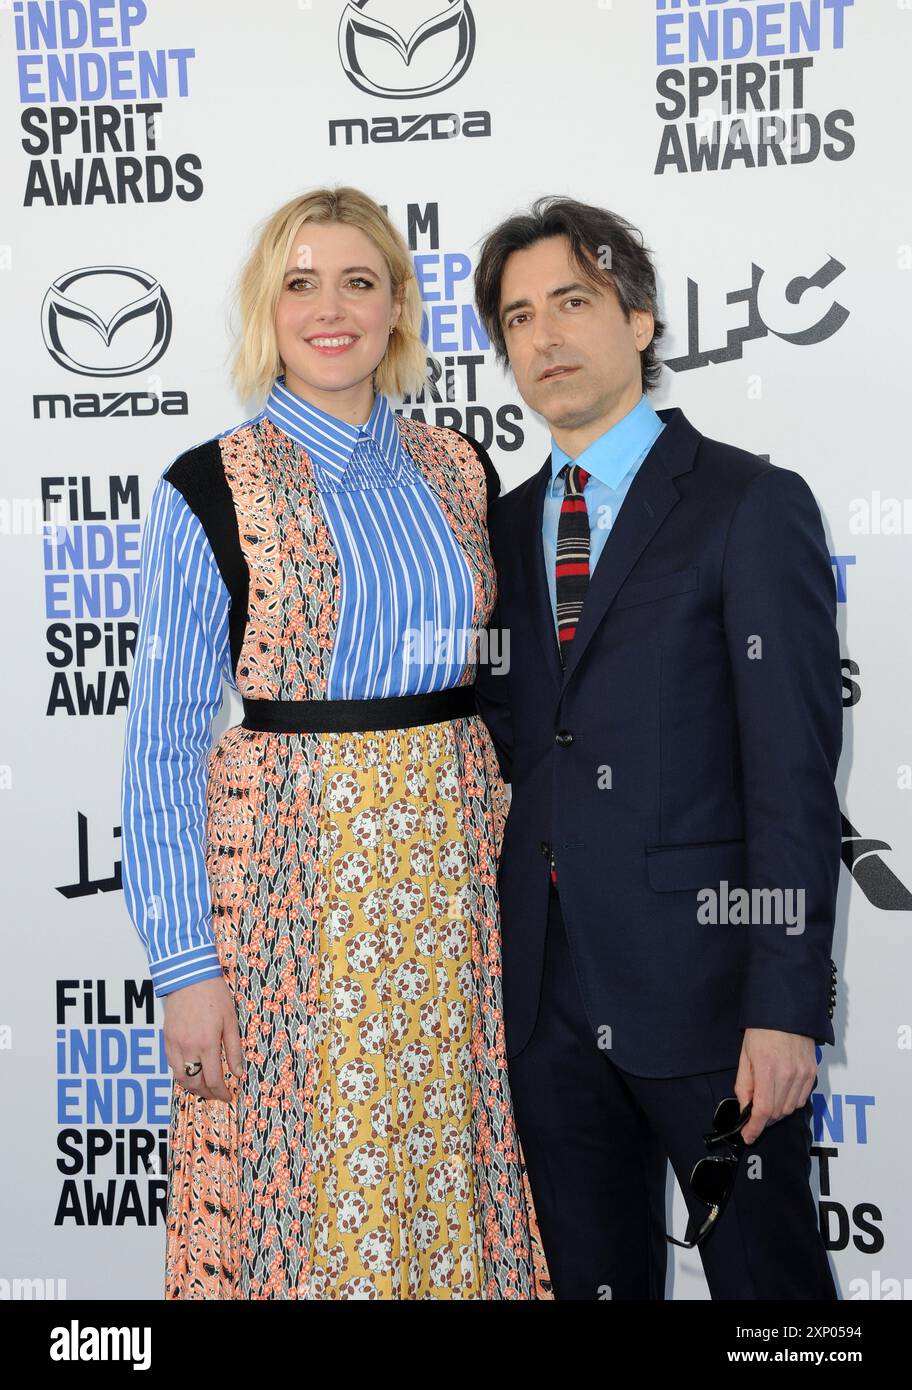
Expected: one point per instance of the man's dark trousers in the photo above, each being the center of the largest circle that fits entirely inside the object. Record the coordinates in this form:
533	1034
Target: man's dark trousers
596	1140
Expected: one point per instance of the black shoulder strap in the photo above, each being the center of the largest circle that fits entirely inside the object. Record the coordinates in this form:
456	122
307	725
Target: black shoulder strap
199	476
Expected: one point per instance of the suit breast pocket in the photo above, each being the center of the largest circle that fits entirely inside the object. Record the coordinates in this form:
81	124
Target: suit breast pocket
662	586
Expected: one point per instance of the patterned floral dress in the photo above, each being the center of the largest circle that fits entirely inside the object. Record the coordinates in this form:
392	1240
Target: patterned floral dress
344	884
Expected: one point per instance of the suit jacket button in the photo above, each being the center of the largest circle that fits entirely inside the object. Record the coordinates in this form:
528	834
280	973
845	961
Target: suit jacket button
545	849
563	737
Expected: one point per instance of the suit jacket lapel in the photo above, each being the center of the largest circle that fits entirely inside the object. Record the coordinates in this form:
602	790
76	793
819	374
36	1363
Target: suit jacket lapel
651	496
538	600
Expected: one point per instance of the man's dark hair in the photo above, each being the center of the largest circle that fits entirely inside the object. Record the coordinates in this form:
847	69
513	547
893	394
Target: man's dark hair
606	249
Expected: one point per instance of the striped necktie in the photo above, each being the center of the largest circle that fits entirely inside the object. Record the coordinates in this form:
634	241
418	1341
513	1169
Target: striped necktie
572	569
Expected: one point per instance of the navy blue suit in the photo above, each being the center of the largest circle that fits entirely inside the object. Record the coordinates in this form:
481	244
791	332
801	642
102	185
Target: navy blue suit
691	743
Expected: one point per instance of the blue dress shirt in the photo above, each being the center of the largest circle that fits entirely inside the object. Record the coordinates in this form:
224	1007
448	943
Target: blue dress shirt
612	462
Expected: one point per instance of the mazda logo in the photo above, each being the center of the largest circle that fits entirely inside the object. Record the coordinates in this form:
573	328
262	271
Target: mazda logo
388	61
84	309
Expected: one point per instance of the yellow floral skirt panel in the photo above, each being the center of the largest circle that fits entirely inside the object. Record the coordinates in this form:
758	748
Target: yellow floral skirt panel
391	1147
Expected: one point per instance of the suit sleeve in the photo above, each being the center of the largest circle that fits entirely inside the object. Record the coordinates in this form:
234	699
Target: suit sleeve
181	651
779	605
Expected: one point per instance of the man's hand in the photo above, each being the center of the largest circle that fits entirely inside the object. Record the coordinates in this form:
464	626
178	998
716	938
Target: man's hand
776	1072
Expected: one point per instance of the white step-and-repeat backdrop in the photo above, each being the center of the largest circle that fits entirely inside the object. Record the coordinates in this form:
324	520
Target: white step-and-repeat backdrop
763	150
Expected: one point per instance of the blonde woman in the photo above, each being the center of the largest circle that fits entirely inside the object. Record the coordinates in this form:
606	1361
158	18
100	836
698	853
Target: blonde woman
317	896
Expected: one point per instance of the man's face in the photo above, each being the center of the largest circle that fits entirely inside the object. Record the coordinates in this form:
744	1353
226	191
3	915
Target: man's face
575	357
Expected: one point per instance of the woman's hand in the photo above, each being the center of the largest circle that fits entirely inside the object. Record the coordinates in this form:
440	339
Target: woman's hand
200	1019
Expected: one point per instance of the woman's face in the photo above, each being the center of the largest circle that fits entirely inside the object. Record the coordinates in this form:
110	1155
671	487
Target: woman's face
334	315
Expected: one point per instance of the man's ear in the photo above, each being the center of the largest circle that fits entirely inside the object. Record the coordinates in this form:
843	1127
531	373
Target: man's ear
644	328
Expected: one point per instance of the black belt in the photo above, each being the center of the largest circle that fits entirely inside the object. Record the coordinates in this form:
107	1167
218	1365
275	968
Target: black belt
354	716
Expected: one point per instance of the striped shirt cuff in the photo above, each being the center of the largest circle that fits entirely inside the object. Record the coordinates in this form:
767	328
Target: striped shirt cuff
185	968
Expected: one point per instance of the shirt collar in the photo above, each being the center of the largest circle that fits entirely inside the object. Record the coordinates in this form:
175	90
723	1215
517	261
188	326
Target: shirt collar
330	442
610	457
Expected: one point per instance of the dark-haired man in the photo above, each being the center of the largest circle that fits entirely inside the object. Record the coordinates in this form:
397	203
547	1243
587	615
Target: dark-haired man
671	724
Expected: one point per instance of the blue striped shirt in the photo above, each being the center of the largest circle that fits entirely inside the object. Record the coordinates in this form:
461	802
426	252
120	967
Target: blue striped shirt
405	584
182	652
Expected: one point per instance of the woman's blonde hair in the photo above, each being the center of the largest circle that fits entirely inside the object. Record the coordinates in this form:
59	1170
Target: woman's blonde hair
256	361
